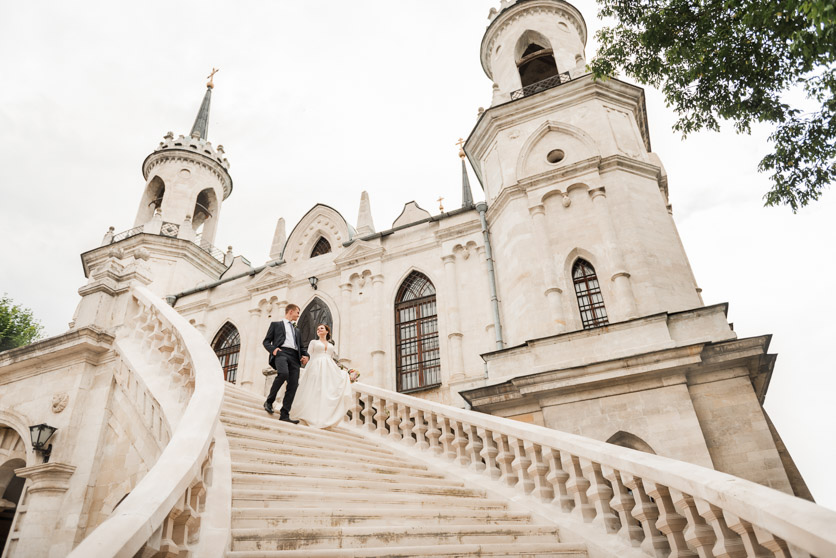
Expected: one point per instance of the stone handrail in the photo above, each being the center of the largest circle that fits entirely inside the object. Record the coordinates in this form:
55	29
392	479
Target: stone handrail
162	514
662	506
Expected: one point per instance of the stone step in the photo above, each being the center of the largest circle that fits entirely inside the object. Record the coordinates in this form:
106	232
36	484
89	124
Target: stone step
244	439
290	538
515	550
372	515
294	497
301	435
346	475
448	488
268	457
261	420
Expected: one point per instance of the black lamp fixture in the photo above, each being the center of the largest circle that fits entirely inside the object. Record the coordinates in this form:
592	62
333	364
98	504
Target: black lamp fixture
313	281
40	435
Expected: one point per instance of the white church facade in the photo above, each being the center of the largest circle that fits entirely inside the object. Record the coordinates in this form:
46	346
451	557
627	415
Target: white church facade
564	300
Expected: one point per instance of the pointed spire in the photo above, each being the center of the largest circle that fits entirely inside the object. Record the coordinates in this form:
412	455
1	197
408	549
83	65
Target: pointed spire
467	194
201	122
365	225
279	239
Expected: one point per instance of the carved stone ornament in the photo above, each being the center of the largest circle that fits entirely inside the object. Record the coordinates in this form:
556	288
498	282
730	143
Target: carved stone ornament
59	402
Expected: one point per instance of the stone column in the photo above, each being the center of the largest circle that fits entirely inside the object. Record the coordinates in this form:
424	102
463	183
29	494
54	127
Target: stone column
550	276
344	349
454	326
37	518
379	351
256	355
620	277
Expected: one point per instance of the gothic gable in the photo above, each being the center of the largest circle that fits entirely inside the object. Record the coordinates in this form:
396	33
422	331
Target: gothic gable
320	222
268	280
554	145
359	251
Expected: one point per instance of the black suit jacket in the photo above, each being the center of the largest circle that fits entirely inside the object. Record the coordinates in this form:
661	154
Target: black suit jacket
275	338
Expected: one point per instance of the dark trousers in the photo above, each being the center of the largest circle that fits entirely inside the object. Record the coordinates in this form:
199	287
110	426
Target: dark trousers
287	370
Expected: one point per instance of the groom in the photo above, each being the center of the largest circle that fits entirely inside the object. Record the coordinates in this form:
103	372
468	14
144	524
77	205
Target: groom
284	343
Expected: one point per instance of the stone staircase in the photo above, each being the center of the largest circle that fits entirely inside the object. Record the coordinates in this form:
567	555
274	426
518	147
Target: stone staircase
299	491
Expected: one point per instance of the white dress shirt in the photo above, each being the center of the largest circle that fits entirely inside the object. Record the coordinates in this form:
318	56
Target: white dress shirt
289	337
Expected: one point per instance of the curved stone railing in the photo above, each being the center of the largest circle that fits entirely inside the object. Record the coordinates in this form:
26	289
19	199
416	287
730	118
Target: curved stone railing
661	506
162	514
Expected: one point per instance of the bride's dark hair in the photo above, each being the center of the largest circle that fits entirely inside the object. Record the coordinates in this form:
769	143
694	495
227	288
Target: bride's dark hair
328	329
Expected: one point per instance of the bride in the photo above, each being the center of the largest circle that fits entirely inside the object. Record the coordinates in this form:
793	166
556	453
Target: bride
324	393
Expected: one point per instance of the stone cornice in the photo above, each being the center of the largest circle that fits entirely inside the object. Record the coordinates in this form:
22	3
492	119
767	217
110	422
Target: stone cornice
77	345
47	477
166	246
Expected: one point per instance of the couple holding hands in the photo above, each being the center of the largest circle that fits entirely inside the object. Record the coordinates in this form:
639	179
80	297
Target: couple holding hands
321	397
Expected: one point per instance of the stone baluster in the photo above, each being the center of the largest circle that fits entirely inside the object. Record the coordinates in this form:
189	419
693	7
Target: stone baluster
345	321
620	277
776	545
504	458
728	544
356	410
577	486
380	416
368	412
558	479
623	503
600	493
489	453
520	465
746	532
670	523
537	472
420	428
474	448
698	535
454	327
433	432
654	543
447	437
460	443
407	425
552	290
393	419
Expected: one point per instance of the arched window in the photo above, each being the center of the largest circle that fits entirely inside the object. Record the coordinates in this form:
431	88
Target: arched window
416	334
590	300
227	345
322	246
317	312
537	63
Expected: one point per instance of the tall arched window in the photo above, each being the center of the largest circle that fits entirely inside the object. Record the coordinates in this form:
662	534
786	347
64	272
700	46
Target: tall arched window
590	300
537	63
227	345
322	246
416	334
317	312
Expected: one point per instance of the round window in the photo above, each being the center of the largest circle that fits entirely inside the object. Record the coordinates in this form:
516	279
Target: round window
555	156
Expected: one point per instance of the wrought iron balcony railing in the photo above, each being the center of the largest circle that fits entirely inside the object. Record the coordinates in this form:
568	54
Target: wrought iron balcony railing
541	85
172	230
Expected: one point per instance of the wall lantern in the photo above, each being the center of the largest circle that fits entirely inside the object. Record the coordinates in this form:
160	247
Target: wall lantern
313	281
40	435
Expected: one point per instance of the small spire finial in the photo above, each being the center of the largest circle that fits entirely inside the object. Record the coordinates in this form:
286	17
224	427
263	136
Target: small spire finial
460	143
211	84
440	206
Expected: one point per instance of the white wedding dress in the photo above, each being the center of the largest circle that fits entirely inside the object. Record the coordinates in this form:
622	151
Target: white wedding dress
324	392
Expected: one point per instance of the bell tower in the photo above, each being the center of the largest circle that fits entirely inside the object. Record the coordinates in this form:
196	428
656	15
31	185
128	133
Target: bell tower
187	179
578	204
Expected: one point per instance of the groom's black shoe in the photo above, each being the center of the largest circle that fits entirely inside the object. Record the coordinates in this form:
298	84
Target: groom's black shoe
268	407
288	419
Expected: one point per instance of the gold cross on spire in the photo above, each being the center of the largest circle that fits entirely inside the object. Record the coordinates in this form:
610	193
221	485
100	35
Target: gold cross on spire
460	143
211	76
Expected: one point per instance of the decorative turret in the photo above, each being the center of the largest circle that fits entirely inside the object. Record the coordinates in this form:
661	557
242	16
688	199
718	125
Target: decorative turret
187	178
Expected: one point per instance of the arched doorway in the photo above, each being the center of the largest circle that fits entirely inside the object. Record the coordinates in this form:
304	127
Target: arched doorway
317	312
12	456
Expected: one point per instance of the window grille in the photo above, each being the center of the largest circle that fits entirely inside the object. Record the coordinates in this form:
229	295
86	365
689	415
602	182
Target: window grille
227	345
322	246
416	335
588	291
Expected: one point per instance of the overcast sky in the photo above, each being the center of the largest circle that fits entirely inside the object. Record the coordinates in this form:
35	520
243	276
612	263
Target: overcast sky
317	101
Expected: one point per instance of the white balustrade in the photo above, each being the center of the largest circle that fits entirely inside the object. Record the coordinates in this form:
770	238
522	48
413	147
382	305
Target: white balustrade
181	385
667	508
